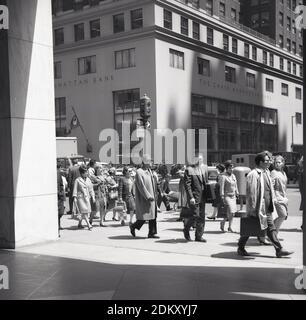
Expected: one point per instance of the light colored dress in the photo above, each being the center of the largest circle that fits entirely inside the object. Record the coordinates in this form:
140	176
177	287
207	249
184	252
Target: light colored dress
280	180
229	191
83	191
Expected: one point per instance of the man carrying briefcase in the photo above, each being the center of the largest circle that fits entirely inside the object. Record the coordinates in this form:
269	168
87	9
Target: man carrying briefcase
260	205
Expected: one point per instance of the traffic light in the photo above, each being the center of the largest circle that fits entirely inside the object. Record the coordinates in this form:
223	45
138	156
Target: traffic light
145	107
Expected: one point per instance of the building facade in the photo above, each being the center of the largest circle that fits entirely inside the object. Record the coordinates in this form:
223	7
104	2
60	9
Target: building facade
201	71
276	19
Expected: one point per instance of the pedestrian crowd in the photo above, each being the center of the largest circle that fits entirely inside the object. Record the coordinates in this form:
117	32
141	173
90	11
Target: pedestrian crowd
95	189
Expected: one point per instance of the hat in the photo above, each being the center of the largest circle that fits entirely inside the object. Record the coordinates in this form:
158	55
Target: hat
83	168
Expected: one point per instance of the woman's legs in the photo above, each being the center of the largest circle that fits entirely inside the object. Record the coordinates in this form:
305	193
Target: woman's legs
230	217
279	221
102	208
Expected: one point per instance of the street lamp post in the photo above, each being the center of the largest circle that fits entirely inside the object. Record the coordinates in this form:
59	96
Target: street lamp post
292	117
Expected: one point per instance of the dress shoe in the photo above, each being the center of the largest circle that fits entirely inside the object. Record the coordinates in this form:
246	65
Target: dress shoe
153	236
80	226
102	225
222	226
283	253
242	252
187	235
115	219
230	230
264	243
132	229
211	218
200	240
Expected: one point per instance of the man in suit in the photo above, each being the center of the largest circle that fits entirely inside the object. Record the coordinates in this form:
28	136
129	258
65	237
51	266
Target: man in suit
260	204
73	174
195	182
145	196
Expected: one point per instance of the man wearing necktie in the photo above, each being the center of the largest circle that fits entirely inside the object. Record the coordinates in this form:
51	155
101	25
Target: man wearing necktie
260	204
195	181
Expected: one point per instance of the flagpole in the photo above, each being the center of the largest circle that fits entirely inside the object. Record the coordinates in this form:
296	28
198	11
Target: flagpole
80	125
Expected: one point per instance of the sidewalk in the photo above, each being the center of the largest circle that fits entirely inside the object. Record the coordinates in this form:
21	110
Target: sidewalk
108	263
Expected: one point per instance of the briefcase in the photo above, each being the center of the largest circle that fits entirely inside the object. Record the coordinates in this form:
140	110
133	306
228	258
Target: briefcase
187	212
222	212
250	227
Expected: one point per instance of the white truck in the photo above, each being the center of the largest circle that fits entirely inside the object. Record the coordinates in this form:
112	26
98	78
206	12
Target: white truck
66	147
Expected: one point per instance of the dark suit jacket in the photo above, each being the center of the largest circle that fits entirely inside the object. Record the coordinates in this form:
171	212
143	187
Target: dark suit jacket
73	174
194	184
124	189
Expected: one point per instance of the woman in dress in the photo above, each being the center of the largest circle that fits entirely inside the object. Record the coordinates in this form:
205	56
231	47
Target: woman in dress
99	184
228	193
217	202
82	192
127	192
280	181
301	183
112	188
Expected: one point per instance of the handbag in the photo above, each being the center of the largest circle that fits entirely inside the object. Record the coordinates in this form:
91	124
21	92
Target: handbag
250	226
76	214
187	212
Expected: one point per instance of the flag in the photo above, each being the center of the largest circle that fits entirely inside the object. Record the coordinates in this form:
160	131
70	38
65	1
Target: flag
74	122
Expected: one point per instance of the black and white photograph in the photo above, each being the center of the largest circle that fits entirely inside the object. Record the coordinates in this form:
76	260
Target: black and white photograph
151	152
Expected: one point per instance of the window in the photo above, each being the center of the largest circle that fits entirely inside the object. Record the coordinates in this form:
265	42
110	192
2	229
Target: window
79	32
281	41
281	64
271	60
265	57
204	67
57	70
301	50
234	45
269	85
294	47
222	9
195	30
289	66
288	45
168	19
281	19
184	26
60	116
59	36
118	23
265	18
136	19
125	59
95	28
247	50
255	20
209	7
301	71
233	14
225	42
126	108
210	36
294	69
285	89
87	65
288	24
250	80
254	53
298	93
230	74
177	59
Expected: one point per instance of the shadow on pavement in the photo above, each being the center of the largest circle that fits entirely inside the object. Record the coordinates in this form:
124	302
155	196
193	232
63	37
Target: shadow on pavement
172	241
231	255
291	230
34	276
127	238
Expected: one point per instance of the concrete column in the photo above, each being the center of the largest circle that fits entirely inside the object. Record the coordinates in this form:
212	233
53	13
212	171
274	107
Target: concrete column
28	195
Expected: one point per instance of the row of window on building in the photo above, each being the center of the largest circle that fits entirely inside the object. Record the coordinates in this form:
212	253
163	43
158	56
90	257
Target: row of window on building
95	27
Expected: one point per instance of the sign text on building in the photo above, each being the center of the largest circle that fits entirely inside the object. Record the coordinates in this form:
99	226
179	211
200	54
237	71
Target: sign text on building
4	278
4	17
